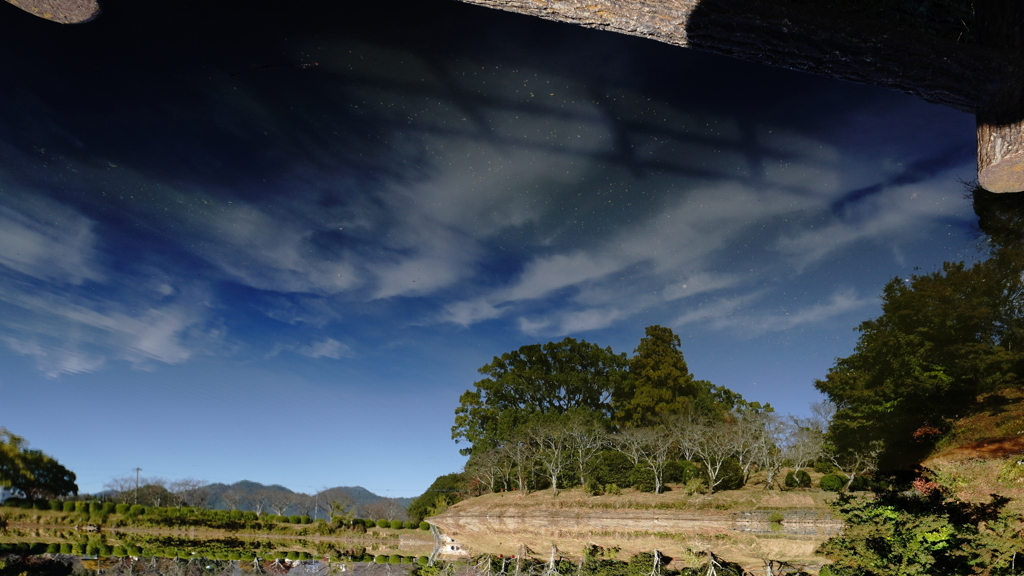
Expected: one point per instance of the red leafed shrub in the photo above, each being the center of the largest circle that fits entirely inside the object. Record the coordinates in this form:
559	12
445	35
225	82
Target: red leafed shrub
925	487
925	432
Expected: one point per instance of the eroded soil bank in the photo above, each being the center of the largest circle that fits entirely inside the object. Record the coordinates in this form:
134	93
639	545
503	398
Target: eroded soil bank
744	526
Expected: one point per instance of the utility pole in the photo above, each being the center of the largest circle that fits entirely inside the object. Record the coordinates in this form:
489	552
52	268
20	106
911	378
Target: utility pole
137	470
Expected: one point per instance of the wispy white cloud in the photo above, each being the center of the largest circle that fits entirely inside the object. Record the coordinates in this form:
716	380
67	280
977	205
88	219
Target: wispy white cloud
327	348
48	241
738	314
897	211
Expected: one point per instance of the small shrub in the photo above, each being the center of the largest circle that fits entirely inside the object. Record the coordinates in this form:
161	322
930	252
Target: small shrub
53	548
137	510
424	526
803	479
423	560
56	505
613	467
294	519
120	552
69	506
642	478
380	559
65	548
612	489
410	525
730	475
122	508
776	517
396	524
394	559
831	483
382	523
695	485
594	488
790	479
109	507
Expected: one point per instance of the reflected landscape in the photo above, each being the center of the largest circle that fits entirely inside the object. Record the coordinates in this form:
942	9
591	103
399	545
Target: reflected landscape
432	289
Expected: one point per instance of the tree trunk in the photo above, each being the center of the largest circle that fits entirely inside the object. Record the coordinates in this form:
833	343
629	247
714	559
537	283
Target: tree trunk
62	11
1000	24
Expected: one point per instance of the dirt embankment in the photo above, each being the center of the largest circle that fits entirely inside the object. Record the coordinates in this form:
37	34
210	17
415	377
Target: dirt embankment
738	525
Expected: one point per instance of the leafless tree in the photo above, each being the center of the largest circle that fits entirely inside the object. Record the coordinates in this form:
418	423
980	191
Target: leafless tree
684	429
259	500
304	504
504	465
232	499
629	441
586	440
123	489
807	443
278	501
553	450
656	443
190	492
713	444
748	431
386	508
338	502
484	467
522	453
855	462
773	445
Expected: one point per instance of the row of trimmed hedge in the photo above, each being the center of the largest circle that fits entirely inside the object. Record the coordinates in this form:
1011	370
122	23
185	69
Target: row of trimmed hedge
399	524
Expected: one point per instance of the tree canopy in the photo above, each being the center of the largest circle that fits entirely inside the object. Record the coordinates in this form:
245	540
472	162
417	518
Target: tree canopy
32	472
659	384
943	339
537	379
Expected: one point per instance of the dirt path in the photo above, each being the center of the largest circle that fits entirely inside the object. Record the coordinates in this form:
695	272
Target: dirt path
982	449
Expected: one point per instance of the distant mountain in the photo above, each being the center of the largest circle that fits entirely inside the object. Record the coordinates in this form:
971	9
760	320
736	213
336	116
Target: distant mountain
241	495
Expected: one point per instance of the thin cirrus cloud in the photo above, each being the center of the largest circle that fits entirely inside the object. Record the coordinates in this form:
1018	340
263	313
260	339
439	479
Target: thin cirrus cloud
904	211
327	348
48	252
48	241
739	315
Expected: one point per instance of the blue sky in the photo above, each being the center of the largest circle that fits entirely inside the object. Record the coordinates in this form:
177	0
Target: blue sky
217	263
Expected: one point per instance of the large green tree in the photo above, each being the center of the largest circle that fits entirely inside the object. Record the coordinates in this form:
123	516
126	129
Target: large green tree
943	339
659	384
32	472
536	379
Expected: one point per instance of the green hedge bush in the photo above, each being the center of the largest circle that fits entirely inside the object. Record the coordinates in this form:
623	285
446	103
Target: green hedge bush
396	524
69	506
832	483
424	526
382	523
56	505
613	467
